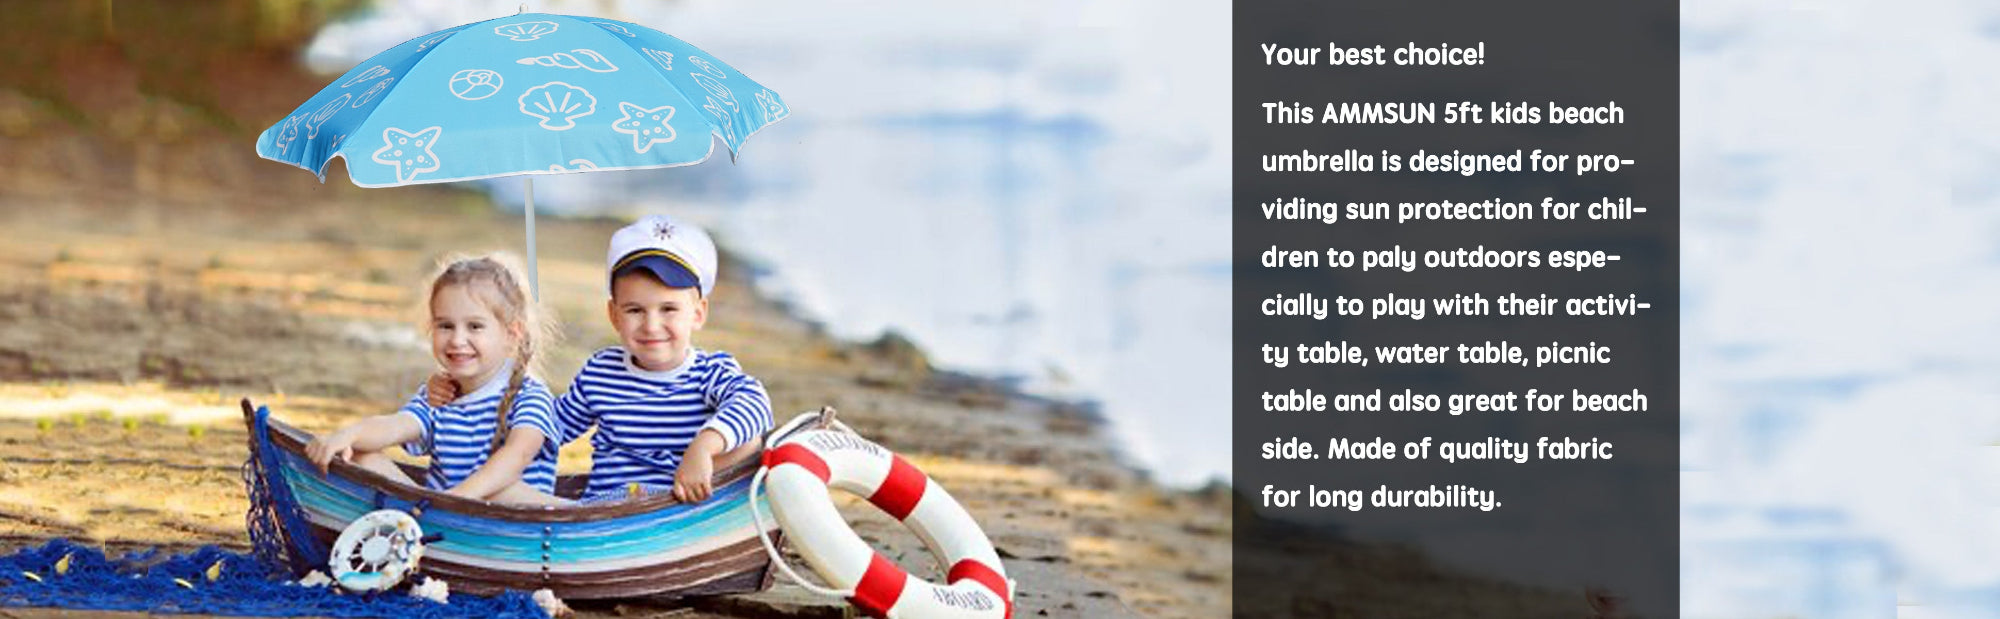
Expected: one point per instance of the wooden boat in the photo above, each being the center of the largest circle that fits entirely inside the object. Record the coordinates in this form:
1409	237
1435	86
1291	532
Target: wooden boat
641	547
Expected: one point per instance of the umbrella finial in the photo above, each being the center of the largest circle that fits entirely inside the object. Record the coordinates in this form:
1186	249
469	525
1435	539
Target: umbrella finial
523	9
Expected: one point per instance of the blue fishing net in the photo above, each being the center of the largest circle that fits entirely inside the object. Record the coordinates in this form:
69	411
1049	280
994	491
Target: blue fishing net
279	534
212	581
243	585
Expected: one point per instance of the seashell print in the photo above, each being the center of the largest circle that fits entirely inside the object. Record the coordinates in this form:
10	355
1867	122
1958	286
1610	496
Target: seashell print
708	67
372	73
620	29
716	88
575	165
581	59
666	59
725	119
435	40
558	104
525	31
475	84
373	91
325	113
287	134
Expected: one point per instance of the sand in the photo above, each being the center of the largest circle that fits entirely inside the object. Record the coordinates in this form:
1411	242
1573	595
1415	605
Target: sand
135	325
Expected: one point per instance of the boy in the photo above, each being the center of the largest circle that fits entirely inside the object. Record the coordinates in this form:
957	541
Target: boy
666	413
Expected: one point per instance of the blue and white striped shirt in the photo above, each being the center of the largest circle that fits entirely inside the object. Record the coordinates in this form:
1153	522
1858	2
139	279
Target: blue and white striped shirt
459	436
646	420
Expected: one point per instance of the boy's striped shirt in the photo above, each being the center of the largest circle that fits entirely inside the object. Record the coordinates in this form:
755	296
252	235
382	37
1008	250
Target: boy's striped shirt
645	420
459	436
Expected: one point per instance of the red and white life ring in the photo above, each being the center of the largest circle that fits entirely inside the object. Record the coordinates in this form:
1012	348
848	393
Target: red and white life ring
801	468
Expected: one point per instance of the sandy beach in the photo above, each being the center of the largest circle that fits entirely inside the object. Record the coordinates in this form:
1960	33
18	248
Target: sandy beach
126	353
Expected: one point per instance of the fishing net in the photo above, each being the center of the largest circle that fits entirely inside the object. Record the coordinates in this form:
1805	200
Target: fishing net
209	580
279	535
212	581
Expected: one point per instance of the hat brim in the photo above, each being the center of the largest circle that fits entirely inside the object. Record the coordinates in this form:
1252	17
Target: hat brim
665	266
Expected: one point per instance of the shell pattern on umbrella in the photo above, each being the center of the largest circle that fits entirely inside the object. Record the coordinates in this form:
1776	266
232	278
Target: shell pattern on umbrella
524	94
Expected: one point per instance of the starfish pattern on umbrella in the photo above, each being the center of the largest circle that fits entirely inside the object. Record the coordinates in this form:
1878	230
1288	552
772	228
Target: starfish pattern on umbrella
647	125
409	152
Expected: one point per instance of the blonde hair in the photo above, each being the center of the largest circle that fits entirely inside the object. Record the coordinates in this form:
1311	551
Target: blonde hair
506	296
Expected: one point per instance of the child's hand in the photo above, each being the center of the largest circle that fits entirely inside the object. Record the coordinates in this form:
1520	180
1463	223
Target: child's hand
322	450
693	480
440	390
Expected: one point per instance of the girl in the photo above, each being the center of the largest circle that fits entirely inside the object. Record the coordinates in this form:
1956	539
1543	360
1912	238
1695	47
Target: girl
484	336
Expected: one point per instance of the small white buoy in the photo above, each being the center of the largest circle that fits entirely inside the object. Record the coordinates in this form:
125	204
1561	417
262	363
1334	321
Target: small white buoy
376	551
433	589
551	604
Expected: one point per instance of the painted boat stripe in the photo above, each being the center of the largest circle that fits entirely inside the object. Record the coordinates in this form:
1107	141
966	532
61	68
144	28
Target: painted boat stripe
332	503
688	539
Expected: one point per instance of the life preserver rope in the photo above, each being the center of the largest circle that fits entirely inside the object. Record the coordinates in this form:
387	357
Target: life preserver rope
801	469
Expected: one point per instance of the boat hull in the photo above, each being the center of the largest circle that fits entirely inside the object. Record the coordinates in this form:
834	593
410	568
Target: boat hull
643	547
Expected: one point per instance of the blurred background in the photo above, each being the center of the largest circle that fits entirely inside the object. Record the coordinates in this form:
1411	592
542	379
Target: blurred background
1841	413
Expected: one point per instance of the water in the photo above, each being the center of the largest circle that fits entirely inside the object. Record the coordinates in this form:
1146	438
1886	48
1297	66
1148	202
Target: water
1837	346
1032	190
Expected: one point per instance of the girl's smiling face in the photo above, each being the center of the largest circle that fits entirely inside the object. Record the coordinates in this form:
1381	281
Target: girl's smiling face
468	340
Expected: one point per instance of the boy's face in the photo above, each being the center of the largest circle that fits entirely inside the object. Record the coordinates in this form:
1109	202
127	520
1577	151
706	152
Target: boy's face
654	322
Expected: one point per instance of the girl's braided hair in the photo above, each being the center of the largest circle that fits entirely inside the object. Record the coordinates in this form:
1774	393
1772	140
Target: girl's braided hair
504	294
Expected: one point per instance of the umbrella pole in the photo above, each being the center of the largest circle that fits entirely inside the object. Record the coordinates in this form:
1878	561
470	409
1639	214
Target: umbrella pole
534	274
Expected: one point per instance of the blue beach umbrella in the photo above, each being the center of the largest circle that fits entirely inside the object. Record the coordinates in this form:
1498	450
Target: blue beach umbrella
525	94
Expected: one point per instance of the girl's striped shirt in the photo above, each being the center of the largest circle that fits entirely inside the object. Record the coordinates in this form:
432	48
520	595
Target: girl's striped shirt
459	436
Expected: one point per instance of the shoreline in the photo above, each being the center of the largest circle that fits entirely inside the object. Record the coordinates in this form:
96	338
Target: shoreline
767	282
897	346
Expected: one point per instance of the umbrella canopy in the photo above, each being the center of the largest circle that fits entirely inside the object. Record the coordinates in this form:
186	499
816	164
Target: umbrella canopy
524	94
